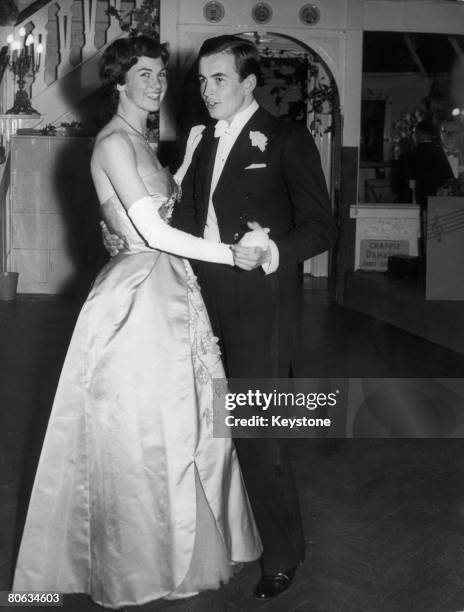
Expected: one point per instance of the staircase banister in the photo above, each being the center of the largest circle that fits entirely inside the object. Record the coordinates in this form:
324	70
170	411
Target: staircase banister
30	10
25	15
69	50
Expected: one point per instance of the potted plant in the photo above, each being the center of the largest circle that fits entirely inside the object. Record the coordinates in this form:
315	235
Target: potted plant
8	285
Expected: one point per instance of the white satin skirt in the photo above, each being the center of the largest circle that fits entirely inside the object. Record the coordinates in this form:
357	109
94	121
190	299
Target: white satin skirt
134	499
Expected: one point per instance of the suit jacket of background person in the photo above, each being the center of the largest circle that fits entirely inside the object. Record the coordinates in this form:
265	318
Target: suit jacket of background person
430	169
285	191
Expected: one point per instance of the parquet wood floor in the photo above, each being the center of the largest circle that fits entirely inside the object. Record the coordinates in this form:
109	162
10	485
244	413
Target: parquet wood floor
384	519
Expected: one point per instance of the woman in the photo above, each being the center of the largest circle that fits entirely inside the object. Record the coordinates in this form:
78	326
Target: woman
134	499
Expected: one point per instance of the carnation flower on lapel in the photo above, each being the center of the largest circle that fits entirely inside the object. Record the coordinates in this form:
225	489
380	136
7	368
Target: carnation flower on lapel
258	140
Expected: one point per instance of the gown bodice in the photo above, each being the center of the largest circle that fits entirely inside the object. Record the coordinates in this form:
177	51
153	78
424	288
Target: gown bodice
165	192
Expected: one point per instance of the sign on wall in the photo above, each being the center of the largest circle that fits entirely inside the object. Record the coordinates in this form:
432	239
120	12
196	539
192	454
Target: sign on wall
374	253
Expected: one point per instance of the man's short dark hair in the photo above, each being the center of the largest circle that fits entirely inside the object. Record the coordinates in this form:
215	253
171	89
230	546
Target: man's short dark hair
245	53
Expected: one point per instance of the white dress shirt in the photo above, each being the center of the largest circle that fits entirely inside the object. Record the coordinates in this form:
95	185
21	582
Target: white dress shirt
227	135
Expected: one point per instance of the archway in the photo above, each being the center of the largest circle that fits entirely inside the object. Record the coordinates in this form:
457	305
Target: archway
299	86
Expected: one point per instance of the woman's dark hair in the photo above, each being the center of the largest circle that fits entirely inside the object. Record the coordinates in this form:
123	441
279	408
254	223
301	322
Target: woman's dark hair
245	53
124	53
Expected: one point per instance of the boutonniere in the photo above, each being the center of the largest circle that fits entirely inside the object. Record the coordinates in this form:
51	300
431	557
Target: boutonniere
258	140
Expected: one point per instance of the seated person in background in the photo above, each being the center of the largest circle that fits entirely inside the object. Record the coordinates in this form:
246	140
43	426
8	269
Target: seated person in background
427	164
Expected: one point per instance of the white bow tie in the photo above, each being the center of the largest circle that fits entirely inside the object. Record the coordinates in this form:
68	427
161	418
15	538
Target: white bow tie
222	127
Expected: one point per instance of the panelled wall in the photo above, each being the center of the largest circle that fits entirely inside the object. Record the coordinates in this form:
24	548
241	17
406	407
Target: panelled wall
55	236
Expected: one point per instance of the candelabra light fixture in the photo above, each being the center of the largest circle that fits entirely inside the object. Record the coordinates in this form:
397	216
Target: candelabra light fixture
24	59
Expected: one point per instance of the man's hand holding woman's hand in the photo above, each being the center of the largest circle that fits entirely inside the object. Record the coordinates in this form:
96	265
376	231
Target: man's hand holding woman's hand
249	253
253	249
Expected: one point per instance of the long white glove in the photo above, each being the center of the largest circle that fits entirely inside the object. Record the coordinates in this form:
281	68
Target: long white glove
196	134
161	236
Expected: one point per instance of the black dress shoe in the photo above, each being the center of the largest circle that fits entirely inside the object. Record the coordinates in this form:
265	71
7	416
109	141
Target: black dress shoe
271	585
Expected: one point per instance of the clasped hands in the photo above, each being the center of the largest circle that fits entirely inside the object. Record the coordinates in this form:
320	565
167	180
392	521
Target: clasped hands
252	250
113	242
249	253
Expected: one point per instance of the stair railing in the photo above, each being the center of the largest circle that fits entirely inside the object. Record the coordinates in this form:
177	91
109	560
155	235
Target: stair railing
77	37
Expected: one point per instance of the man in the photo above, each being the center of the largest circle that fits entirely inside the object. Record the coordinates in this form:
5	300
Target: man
252	167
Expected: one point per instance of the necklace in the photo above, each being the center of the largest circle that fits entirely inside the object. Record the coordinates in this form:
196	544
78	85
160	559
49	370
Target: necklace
144	136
